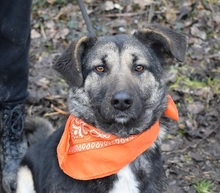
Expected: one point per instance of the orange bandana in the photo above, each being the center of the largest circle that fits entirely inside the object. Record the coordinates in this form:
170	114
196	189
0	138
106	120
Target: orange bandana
84	152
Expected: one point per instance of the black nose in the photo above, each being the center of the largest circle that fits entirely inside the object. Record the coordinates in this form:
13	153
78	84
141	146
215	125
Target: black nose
122	100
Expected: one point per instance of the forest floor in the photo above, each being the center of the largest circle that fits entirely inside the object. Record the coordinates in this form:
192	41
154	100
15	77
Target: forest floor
191	149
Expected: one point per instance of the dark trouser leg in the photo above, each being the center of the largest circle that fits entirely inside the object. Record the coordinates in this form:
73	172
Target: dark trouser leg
14	48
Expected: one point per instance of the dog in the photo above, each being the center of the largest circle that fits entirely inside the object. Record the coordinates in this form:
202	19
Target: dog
116	89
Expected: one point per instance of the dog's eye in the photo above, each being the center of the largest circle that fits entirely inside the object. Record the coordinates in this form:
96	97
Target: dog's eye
139	68
100	68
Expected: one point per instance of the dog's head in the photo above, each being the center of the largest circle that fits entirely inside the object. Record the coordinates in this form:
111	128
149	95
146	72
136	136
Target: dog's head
116	82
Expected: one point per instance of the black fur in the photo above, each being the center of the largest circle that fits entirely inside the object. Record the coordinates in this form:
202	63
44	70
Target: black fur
48	177
91	97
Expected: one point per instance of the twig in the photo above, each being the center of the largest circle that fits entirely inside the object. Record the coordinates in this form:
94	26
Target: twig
151	13
217	55
51	114
43	31
53	97
124	14
60	111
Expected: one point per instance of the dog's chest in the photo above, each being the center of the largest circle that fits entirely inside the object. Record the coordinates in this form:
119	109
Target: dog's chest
126	182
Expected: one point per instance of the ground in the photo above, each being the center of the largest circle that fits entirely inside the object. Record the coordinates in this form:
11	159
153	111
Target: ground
191	148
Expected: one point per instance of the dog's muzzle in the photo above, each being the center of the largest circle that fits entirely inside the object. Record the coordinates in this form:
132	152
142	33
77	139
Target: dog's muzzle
122	100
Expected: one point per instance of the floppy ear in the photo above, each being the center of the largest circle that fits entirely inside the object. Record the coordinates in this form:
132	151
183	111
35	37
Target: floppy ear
69	63
171	42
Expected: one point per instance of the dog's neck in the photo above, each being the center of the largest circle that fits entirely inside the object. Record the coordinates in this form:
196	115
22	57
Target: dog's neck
85	152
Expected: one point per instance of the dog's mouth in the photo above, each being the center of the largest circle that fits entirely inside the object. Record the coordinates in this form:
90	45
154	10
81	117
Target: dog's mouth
122	119
120	123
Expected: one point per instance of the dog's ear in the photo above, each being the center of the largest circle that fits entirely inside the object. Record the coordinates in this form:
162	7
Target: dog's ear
69	63
164	40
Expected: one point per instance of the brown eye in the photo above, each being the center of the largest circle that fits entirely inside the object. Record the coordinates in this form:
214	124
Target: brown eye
100	69
139	68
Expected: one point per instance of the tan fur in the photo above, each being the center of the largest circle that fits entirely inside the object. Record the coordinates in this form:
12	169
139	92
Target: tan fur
121	99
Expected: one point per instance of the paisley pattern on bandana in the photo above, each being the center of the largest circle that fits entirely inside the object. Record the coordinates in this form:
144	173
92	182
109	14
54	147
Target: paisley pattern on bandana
81	140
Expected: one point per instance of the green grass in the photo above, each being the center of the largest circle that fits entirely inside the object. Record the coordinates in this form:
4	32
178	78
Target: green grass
204	186
184	81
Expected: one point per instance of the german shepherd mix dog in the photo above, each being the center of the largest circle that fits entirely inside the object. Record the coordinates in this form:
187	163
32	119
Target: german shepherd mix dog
111	140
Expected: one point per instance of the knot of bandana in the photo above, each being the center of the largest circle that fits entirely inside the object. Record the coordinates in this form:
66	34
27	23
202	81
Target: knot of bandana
84	152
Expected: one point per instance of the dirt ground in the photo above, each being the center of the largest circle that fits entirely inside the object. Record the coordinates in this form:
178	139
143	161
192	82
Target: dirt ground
192	146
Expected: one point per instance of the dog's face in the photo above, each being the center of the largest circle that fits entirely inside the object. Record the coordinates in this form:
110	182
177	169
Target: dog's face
117	81
123	81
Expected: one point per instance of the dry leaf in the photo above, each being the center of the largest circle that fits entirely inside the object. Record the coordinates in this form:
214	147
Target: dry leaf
171	14
43	82
62	33
50	1
35	34
118	6
49	24
143	3
198	33
108	5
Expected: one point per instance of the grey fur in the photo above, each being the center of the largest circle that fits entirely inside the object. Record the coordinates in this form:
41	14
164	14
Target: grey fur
37	129
116	84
